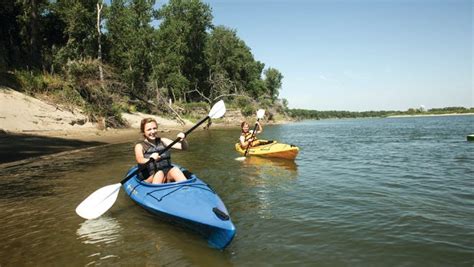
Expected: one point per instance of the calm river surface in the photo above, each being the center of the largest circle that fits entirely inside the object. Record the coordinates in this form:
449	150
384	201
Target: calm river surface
365	192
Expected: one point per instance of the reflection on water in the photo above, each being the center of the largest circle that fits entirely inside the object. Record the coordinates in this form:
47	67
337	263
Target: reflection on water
278	163
269	170
265	177
101	230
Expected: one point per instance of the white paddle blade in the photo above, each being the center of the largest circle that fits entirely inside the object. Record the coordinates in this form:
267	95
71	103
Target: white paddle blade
240	158
260	113
218	110
98	202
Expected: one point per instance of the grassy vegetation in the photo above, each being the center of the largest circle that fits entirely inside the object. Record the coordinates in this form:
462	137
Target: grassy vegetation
81	88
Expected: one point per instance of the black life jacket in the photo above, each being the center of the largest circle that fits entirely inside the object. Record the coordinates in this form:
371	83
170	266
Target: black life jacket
165	158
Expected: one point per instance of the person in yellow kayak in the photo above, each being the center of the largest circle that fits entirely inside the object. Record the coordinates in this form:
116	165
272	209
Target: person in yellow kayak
247	137
160	169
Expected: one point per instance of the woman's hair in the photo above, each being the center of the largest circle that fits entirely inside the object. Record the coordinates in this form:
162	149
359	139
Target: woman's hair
145	121
242	124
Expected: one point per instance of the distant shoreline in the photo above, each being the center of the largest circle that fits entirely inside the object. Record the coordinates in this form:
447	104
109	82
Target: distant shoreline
430	115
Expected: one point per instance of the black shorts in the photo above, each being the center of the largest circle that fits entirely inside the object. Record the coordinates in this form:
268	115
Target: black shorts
146	173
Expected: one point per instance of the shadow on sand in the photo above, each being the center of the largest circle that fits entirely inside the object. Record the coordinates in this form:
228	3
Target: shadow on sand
15	147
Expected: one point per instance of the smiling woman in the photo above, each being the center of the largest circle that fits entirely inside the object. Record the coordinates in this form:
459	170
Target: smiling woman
153	147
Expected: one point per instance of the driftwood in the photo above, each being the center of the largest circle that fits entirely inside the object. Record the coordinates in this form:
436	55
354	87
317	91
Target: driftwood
148	102
217	97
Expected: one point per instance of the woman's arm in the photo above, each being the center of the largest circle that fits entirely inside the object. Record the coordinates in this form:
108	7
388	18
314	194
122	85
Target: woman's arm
244	143
183	144
259	128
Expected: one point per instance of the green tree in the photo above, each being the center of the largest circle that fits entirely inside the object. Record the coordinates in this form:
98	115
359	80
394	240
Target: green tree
10	40
130	36
27	33
179	64
232	67
273	82
29	20
79	18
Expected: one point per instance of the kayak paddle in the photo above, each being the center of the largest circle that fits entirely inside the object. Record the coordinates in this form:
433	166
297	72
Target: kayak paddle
102	199
260	114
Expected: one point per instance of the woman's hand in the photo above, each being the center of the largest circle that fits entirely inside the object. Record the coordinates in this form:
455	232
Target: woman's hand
183	142
181	136
155	156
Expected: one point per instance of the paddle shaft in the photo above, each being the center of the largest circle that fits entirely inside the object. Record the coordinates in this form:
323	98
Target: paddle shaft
164	150
253	134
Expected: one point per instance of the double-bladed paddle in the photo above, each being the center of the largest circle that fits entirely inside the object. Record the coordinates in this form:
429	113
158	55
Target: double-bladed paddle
102	199
260	114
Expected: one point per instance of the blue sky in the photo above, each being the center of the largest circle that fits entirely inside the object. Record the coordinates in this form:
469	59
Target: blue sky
360	55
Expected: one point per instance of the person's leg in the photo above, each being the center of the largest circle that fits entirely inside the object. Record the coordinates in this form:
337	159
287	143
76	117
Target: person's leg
149	179
159	177
175	175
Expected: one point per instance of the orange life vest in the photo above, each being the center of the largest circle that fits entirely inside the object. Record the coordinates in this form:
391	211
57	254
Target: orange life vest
247	136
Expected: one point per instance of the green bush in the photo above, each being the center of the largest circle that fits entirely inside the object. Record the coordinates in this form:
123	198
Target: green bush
31	82
248	110
243	102
196	105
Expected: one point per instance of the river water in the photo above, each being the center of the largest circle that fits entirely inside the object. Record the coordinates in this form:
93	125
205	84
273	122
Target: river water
362	192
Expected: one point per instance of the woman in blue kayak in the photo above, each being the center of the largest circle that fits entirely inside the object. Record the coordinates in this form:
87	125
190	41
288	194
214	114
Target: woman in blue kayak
160	169
247	136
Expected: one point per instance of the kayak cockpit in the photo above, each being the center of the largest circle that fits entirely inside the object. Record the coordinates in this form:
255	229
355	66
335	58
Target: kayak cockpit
144	174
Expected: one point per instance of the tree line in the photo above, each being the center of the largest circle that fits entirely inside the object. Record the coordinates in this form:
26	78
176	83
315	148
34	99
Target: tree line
132	48
317	115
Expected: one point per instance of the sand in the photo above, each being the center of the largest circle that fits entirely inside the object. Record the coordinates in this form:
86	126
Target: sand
32	128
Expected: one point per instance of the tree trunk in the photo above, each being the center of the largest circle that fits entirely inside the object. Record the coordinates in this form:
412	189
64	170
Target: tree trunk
34	40
100	5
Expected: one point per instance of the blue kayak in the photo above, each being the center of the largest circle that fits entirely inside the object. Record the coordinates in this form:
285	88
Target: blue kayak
191	203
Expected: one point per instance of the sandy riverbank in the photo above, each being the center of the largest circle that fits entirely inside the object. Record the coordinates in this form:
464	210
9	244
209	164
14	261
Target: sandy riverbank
32	128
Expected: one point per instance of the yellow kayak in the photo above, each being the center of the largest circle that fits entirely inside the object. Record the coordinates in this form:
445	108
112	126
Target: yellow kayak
271	149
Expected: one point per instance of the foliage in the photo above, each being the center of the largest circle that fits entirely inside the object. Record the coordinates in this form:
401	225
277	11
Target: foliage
30	81
273	82
314	114
79	19
196	105
248	111
451	110
99	100
131	40
232	68
178	62
174	52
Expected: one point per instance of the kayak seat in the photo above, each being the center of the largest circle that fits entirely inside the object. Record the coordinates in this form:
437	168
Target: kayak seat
262	143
